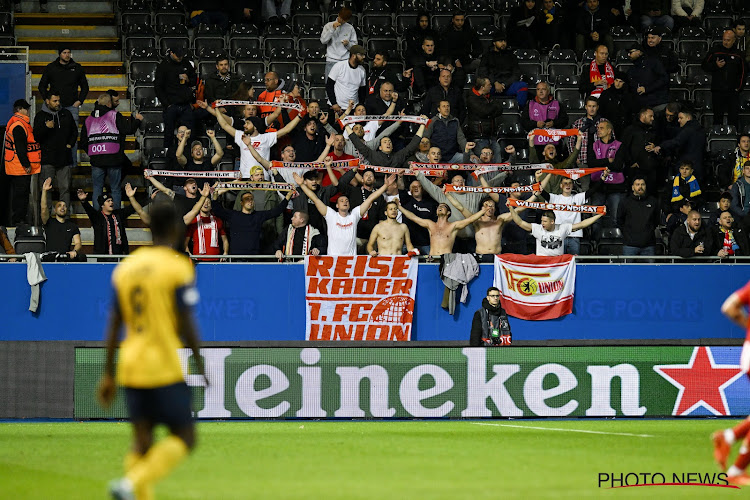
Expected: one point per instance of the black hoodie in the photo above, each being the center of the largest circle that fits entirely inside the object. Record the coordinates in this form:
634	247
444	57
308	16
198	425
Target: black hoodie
55	140
637	217
65	78
167	84
475	339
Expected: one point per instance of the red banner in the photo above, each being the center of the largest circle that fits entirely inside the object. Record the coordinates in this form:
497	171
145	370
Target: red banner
572	173
360	297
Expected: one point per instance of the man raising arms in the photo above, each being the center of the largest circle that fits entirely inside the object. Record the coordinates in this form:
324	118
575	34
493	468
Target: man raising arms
443	233
390	235
342	225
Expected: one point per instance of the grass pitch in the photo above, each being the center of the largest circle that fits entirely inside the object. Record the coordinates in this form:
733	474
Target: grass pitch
371	460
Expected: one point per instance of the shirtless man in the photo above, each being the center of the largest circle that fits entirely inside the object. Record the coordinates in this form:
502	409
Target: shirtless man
442	233
389	234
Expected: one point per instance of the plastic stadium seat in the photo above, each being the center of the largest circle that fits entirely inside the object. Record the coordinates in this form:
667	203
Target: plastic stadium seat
624	31
246	49
162	20
678	95
558	70
406	21
562	55
389	45
676	80
169	5
510	104
692	51
145	98
482	20
410	6
285	70
375	6
370	21
531	72
723	130
136	46
587	56
440	5
207	48
610	241
319	94
566	82
170	42
713	22
510	126
136	22
570	97
478	7
440	21
306	6
336	5
308	24
133	6
206	68
488	30
278	48
315	73
721	145
692	32
243	30
525	55
251	69
702	99
745	101
697	76
310	49
383	32
143	71
213	30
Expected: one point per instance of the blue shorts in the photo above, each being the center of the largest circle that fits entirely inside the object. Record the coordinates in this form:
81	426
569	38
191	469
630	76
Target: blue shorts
169	405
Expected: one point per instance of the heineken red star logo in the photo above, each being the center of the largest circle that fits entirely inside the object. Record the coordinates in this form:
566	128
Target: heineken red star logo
701	383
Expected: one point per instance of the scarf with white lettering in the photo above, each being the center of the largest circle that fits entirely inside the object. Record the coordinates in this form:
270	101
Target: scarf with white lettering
572	173
231	102
218	174
558	207
595	75
307	236
450	188
202	226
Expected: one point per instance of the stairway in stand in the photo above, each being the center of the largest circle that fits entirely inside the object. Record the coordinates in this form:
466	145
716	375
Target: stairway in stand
90	30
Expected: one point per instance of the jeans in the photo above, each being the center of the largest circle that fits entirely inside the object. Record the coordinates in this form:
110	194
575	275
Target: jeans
520	90
74	150
114	174
628	250
272	9
573	245
456	158
174	115
329	65
665	20
62	177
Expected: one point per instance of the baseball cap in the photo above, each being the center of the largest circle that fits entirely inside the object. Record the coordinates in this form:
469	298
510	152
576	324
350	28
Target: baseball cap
357	49
194	143
255	169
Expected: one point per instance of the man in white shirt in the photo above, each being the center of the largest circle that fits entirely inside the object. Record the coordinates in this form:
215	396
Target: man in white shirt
347	81
566	197
342	224
338	36
250	136
550	237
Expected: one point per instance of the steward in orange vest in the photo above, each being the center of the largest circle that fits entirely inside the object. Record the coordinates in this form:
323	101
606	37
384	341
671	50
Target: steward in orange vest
23	155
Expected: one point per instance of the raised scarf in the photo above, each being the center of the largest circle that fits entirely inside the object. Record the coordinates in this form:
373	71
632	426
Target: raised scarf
213	226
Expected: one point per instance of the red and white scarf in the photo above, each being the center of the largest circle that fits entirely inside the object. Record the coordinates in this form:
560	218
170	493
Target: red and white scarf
572	173
116	226
306	240
558	207
450	188
217	174
274	104
202	226
595	75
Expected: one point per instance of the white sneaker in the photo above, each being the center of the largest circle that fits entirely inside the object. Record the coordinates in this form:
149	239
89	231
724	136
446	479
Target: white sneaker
121	489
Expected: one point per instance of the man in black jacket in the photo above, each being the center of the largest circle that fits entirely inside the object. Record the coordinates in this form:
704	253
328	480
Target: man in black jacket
380	73
617	104
647	79
500	65
384	156
175	78
461	43
57	132
653	47
222	84
110	237
727	65
482	114
593	26
103	138
490	325
425	65
692	239
69	78
689	144
638	161
637	217
444	91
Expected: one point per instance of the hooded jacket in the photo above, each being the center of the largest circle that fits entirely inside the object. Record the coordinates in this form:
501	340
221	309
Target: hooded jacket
55	140
66	79
167	84
650	74
477	328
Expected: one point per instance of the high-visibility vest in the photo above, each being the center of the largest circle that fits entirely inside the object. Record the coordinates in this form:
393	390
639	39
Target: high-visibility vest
13	164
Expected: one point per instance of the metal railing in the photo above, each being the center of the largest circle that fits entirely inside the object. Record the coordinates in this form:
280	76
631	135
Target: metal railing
295	259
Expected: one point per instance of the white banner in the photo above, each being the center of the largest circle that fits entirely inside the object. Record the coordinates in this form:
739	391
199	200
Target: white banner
360	297
534	287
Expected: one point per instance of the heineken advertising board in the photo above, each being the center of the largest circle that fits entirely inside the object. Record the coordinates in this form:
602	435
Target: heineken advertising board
354	382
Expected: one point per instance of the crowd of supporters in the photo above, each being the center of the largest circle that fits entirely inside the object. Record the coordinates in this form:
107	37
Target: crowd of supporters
659	190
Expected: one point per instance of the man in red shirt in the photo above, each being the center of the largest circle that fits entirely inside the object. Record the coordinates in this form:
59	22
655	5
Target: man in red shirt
206	231
734	308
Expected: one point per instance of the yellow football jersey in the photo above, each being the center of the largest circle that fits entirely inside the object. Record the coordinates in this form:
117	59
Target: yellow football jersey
151	286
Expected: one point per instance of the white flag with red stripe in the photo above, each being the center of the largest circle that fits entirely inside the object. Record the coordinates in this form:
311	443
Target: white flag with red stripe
534	287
